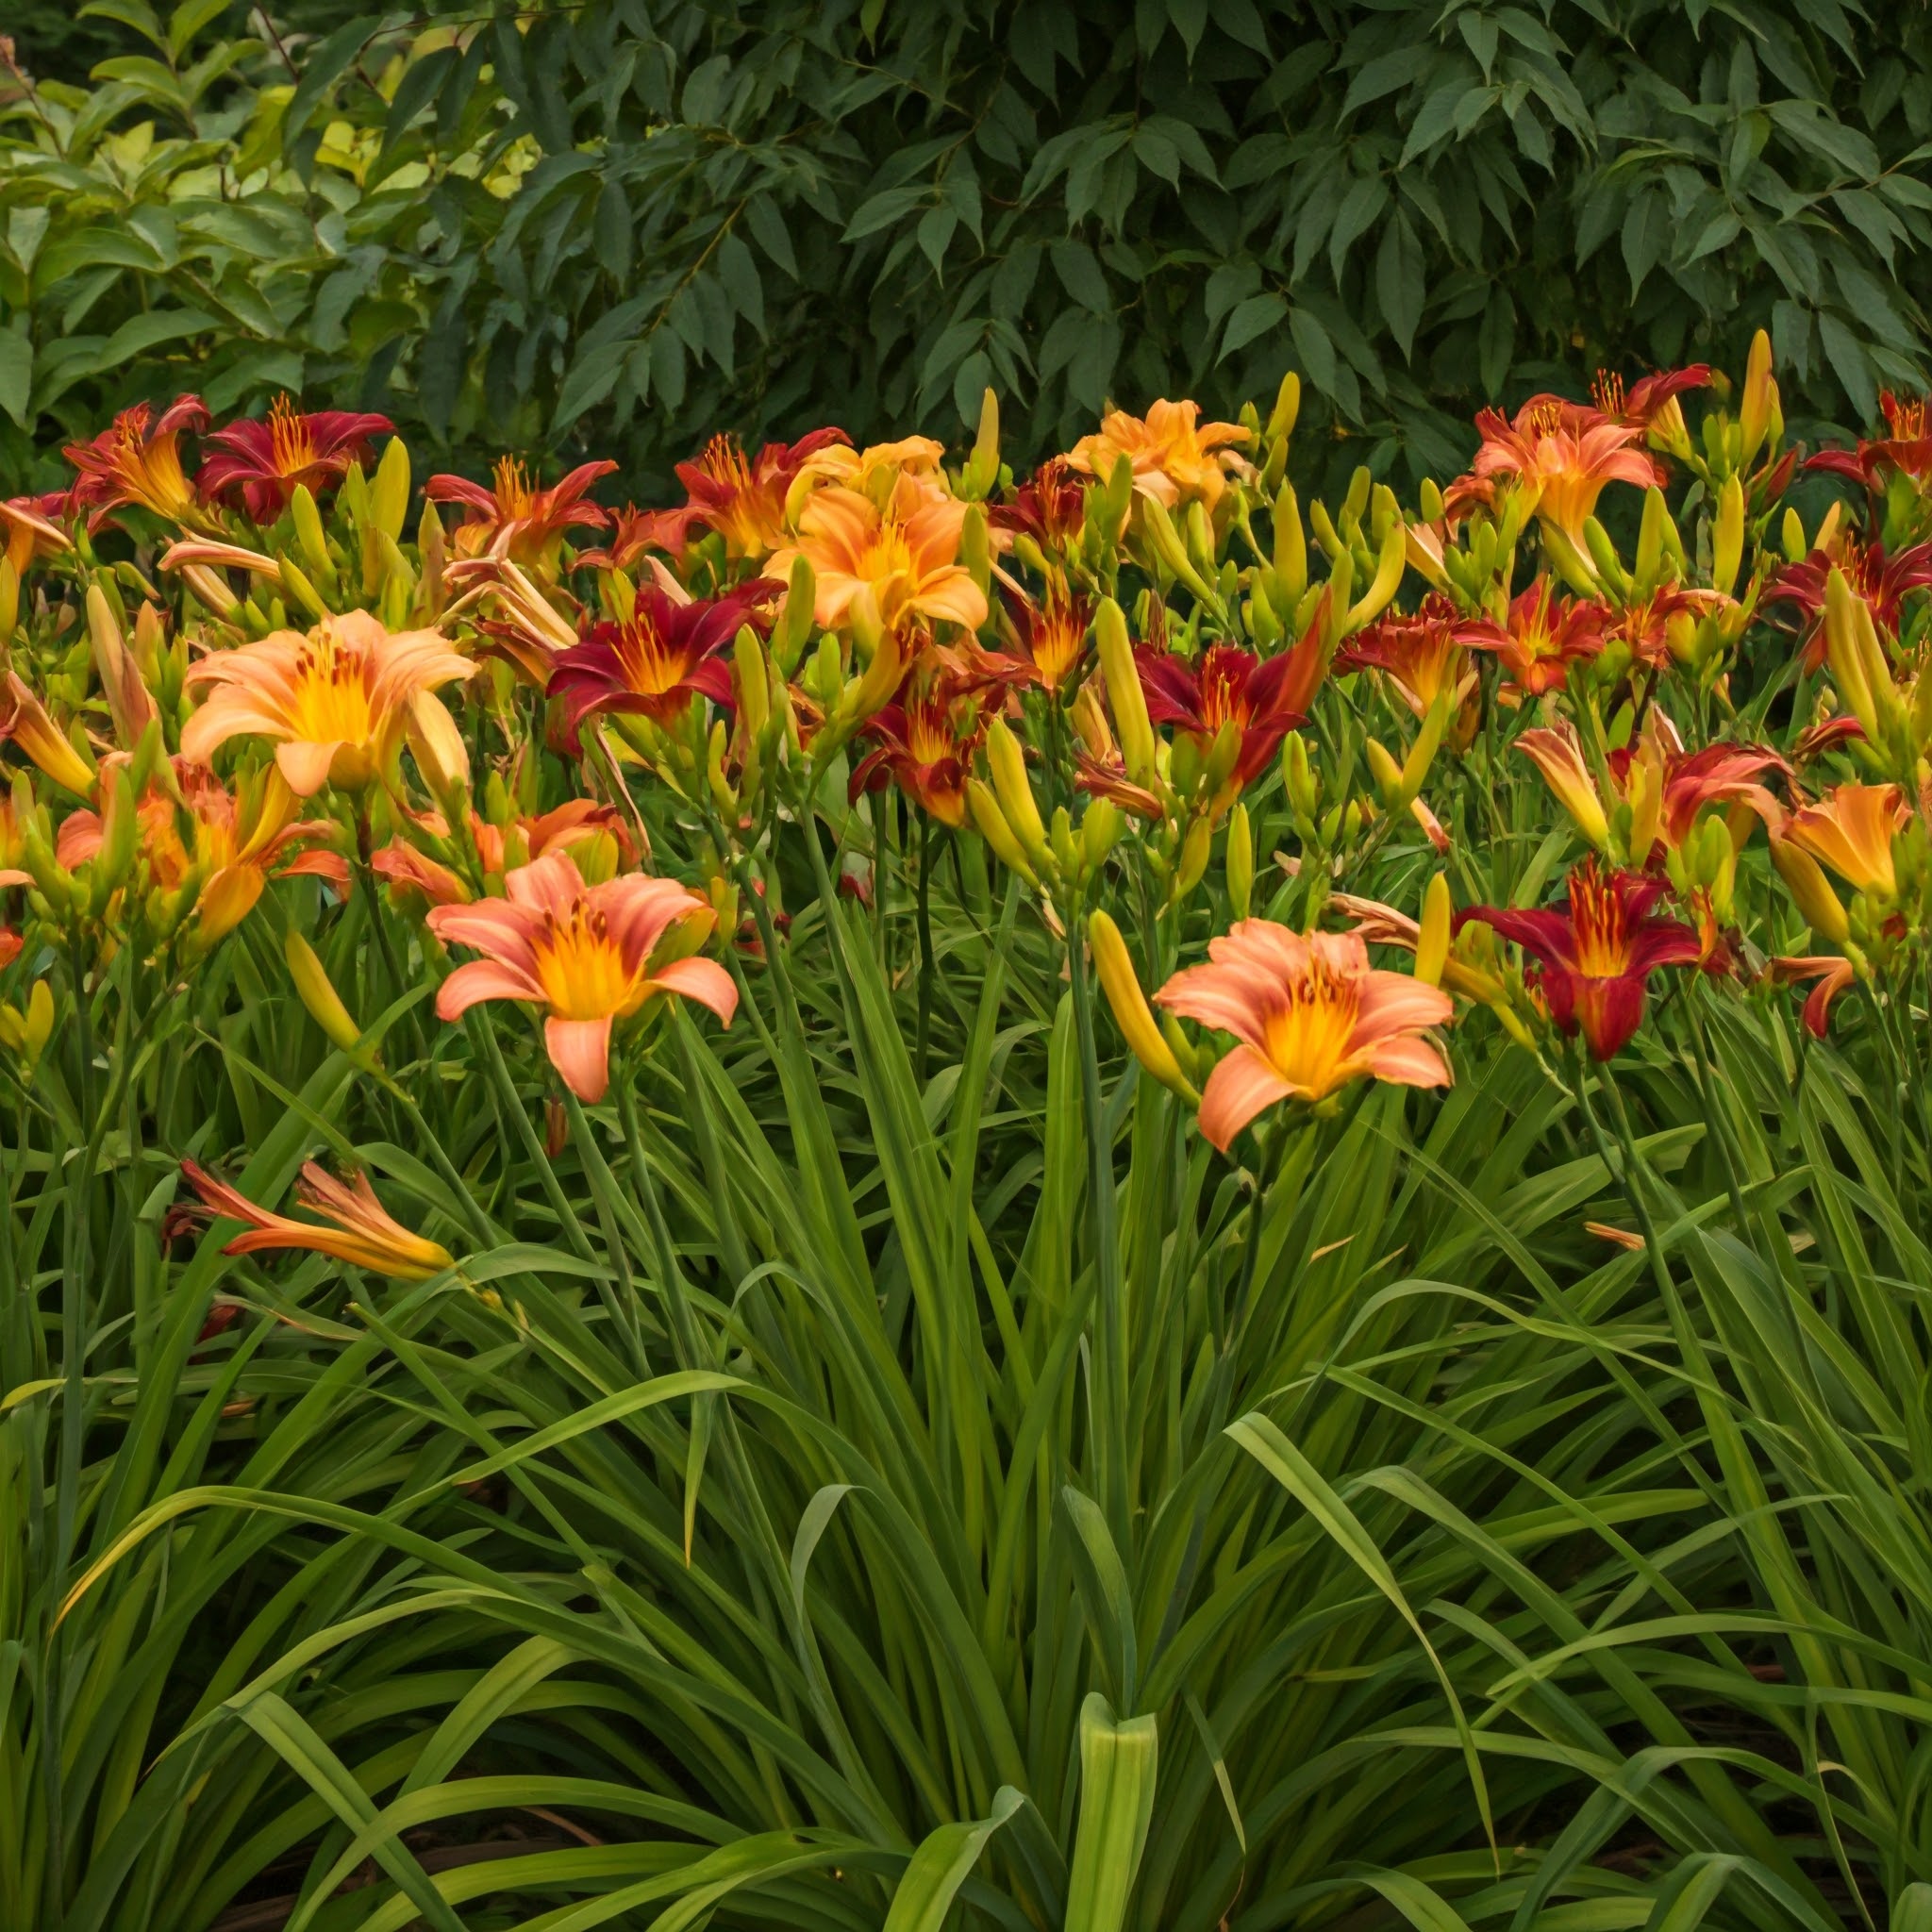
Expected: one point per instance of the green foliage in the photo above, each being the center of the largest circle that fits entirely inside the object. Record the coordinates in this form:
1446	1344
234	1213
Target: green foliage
653	220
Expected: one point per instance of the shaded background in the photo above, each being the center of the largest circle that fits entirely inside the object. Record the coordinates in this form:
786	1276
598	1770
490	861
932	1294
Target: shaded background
619	225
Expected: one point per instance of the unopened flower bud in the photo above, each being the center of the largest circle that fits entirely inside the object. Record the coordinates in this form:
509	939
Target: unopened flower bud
993	828
1432	936
1124	693
317	992
1727	533
1114	968
1239	860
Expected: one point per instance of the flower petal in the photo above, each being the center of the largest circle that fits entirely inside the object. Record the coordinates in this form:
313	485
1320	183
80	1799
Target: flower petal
580	1051
1241	1086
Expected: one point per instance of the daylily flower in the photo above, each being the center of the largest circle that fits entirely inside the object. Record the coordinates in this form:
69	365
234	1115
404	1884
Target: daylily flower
237	844
30	530
655	662
335	704
1831	975
364	1233
1907	450
582	952
907	553
1652	404
1310	1015
1542	635
1421	654
1176	459
876	471
1596	956
1567	453
1050	636
23	718
137	460
924	741
1851	830
743	502
514	517
1882	581
1262	698
262	463
1660	626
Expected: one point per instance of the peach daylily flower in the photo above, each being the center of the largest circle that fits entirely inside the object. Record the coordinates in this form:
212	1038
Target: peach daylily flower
1567	453
1176	459
583	952
1309	1015
1851	829
907	553
336	703
364	1234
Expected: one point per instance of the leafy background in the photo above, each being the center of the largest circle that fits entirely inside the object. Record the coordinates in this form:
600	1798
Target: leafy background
619	224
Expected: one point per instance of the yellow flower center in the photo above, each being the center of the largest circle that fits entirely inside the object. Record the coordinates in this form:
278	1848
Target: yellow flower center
1309	1038
581	968
649	667
331	694
1602	946
292	448
927	738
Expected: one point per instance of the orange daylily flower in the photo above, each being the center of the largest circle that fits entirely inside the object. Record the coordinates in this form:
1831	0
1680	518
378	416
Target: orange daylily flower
363	1234
907	553
1176	459
237	844
1567	453
1310	1015
1851	829
27	524
23	718
582	952
336	704
925	739
1421	654
137	460
1541	636
1830	976
572	825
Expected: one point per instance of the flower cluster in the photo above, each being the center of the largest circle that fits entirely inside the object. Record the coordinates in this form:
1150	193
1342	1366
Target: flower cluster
574	744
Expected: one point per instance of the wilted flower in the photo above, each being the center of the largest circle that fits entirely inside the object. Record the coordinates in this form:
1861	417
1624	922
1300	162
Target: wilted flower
1830	976
335	703
1310	1015
582	952
1596	956
137	460
364	1233
28	526
905	553
1175	458
1567	453
514	517
658	659
262	463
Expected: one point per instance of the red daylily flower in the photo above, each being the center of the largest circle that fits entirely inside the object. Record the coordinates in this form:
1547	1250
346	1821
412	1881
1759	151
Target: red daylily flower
1050	506
514	518
1907	450
262	463
924	743
655	662
137	461
1649	395
1420	654
1263	698
1882	581
1051	637
1595	957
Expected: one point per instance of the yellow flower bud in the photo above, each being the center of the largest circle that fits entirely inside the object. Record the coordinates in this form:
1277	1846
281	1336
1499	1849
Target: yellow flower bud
994	829
1791	536
1240	860
40	1019
1812	891
1759	401
1432	939
1011	785
1727	533
1124	693
1194	854
309	532
317	992
1131	1012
